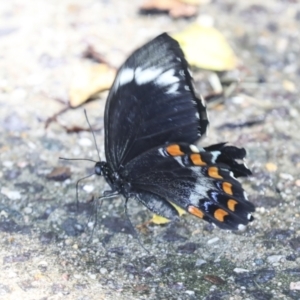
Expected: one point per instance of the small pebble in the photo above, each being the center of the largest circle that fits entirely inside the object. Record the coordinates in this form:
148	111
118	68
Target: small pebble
258	261
260	210
200	262
240	270
275	258
190	293
27	210
212	241
295	285
12	195
85	142
43	263
103	271
286	176
88	188
92	276
68	242
8	164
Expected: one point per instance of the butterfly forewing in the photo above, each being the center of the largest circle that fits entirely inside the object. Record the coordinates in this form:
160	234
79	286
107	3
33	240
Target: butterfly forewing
152	102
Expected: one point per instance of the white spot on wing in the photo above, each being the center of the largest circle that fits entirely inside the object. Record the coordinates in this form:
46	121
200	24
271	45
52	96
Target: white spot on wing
231	175
167	78
202	101
245	196
146	75
215	155
125	76
179	160
197	115
249	216
162	152
194	149
173	88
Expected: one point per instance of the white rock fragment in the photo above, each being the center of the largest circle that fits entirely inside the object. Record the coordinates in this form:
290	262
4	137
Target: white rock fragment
92	276
295	285
27	210
12	195
212	241
240	270
200	262
274	258
88	188
286	176
190	293
103	271
85	142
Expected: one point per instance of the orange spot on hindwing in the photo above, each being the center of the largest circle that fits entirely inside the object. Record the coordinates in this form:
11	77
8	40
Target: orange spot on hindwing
174	150
195	211
214	173
197	160
227	187
231	204
220	214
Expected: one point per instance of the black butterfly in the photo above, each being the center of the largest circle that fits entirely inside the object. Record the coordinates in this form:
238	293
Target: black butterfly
152	120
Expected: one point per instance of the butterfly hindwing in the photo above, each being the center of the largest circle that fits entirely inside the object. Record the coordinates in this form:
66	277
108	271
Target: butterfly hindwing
201	182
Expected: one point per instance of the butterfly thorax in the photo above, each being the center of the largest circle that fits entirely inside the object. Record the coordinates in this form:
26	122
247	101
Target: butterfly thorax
115	181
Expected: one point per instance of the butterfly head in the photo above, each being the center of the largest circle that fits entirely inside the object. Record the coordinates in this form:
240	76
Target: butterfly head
112	178
102	169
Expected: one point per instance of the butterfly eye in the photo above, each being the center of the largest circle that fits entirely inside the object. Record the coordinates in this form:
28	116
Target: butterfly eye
98	169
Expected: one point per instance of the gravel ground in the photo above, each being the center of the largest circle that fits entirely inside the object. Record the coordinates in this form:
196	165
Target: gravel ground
45	248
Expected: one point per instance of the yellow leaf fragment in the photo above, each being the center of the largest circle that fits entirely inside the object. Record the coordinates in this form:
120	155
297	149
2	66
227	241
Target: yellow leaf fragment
289	86
195	2
271	167
158	220
205	47
88	79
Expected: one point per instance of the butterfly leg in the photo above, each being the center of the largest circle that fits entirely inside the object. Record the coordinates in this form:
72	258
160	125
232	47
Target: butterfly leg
109	194
136	234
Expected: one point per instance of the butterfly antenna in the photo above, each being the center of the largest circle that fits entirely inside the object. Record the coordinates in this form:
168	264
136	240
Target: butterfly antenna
63	158
136	234
77	183
86	117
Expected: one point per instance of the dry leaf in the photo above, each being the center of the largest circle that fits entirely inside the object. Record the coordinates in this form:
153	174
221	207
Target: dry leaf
175	8
158	220
59	174
205	47
214	279
89	79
